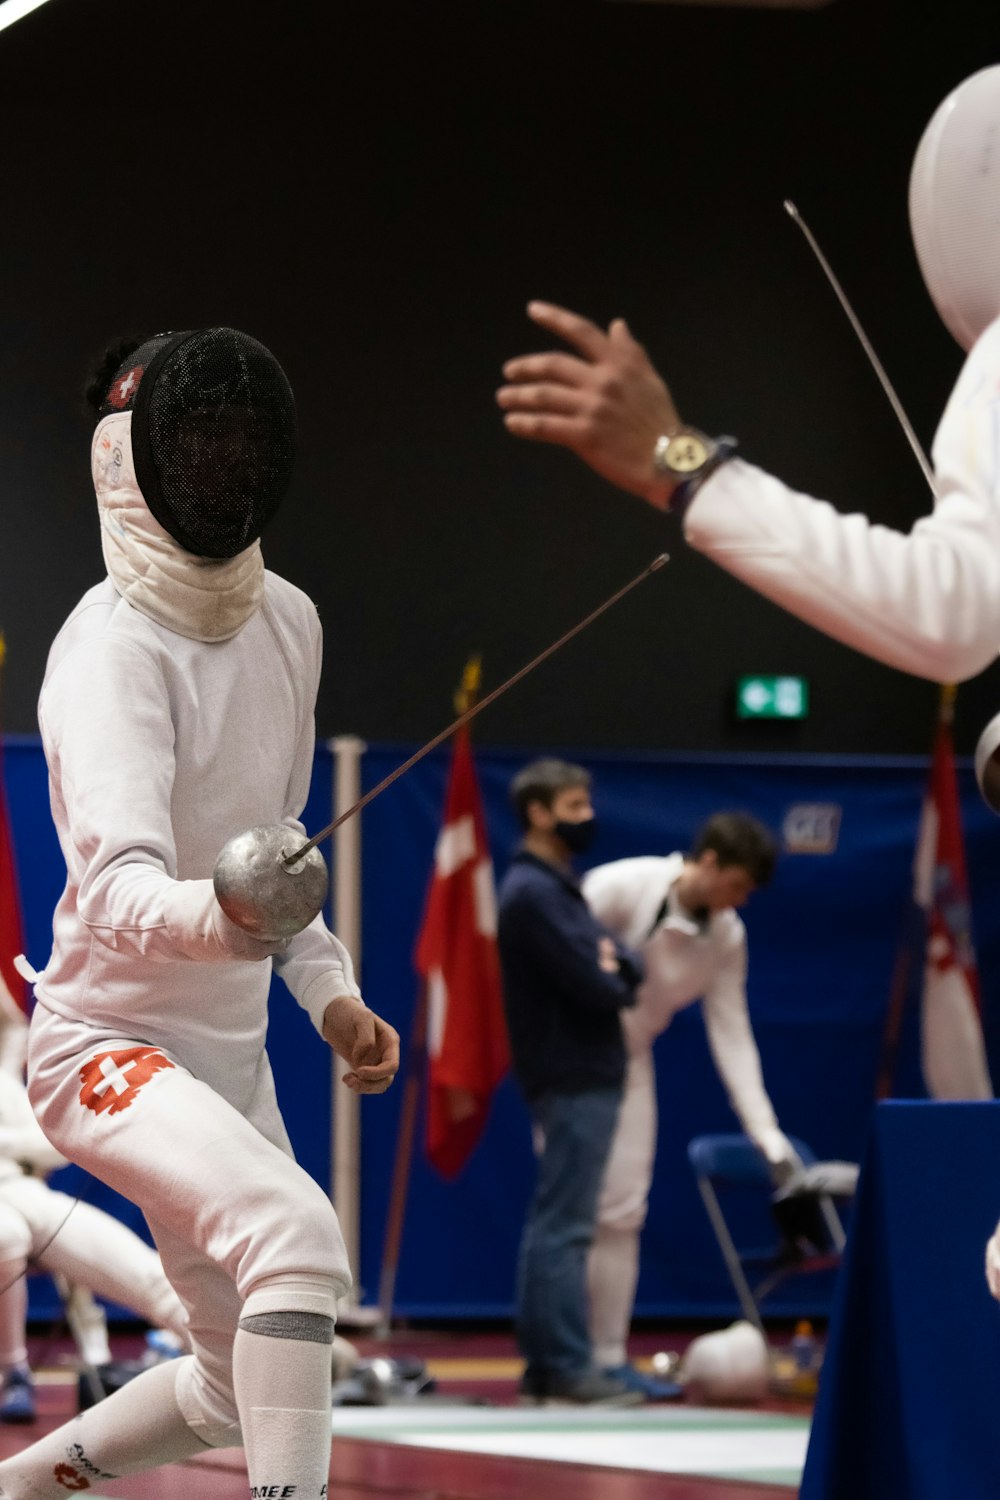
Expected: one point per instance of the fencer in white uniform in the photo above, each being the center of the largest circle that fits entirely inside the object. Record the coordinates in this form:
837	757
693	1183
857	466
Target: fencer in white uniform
927	602
86	1249
176	712
680	913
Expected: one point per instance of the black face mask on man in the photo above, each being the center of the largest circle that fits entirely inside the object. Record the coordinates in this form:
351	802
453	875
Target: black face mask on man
577	837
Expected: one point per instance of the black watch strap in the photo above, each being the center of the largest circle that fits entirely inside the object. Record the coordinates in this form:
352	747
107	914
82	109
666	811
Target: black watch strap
685	492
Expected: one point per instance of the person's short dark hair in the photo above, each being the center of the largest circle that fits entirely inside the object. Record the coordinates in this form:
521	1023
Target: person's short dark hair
542	781
103	370
738	839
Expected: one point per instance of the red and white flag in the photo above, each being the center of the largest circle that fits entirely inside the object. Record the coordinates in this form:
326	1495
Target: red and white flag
467	1048
952	1051
13	994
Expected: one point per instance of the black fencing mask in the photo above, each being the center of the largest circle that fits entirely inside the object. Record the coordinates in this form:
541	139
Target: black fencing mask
213	435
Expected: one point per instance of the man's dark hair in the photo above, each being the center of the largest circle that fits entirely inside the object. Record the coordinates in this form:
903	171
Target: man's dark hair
104	369
542	782
738	839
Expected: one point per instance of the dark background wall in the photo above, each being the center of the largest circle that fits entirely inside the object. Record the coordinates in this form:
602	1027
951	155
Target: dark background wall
375	191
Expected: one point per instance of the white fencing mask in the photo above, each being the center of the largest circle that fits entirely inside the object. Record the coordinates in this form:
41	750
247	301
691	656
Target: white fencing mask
955	206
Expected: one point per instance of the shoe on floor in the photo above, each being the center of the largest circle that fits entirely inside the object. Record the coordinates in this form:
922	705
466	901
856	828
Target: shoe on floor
590	1389
17	1396
649	1386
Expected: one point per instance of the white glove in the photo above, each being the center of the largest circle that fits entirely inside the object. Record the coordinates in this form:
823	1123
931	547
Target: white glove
779	1153
200	929
993	1263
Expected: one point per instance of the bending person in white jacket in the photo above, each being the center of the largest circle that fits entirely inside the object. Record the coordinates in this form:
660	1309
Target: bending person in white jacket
679	912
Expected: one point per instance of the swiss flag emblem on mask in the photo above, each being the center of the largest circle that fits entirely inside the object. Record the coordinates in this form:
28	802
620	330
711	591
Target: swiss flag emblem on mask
111	1080
124	388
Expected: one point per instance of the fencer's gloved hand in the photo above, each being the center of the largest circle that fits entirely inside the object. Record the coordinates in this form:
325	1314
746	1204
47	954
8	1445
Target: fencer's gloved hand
200	929
993	1263
780	1155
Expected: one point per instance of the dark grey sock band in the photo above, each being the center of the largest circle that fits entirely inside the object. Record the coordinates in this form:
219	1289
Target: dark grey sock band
310	1328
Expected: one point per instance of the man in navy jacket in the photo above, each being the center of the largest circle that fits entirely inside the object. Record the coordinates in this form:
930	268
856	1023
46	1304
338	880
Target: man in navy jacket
565	981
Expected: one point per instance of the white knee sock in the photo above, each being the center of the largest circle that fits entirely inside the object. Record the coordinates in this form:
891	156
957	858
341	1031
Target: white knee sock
137	1428
281	1374
612	1277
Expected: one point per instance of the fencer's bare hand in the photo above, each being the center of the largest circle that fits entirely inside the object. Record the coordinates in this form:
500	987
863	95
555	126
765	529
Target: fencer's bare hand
369	1044
605	403
607	955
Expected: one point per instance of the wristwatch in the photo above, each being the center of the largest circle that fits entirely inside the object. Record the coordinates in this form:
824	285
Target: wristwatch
688	457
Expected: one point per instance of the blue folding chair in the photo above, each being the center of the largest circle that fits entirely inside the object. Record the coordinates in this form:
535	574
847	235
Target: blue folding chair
733	1161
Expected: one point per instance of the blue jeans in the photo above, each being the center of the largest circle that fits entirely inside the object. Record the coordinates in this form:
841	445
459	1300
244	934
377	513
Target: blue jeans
552	1331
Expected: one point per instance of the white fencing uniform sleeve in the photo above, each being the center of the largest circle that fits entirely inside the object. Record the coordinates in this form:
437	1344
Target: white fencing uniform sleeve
317	968
109	736
735	1053
927	602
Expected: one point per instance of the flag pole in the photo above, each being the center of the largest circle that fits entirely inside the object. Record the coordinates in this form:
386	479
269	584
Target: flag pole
416	1072
403	1163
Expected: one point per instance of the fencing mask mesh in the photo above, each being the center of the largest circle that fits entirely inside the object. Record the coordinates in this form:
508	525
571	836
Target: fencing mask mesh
213	435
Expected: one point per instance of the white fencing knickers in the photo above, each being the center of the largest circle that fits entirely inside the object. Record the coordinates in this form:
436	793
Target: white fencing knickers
231	1211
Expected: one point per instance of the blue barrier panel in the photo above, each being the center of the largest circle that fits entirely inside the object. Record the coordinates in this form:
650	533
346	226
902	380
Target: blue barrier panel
908	1395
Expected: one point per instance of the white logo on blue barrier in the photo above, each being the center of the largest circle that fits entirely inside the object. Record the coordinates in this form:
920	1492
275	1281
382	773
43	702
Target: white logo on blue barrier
811	828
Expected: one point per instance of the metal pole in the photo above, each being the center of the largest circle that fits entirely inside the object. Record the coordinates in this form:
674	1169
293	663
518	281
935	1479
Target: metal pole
345	1114
402	1166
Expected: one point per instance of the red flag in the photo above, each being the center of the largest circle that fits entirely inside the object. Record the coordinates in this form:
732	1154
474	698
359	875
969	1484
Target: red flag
13	995
467	1046
952	1049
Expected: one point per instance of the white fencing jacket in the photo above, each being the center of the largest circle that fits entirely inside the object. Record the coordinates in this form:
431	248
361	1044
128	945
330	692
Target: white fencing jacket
160	749
927	602
684	963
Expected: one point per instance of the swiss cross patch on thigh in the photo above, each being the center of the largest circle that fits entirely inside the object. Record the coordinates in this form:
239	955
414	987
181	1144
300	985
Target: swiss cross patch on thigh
112	1080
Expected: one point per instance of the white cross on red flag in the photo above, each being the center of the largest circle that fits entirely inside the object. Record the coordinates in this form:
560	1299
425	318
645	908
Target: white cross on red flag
467	1047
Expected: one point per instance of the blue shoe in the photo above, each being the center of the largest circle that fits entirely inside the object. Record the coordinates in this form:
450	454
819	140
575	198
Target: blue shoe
647	1385
17	1396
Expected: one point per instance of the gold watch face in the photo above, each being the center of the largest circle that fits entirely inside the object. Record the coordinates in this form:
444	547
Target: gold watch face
688	451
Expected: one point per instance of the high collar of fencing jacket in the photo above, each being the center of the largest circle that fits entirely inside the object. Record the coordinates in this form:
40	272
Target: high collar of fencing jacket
198	597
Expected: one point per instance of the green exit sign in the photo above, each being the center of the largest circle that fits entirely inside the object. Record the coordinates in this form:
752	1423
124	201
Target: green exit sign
772	698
